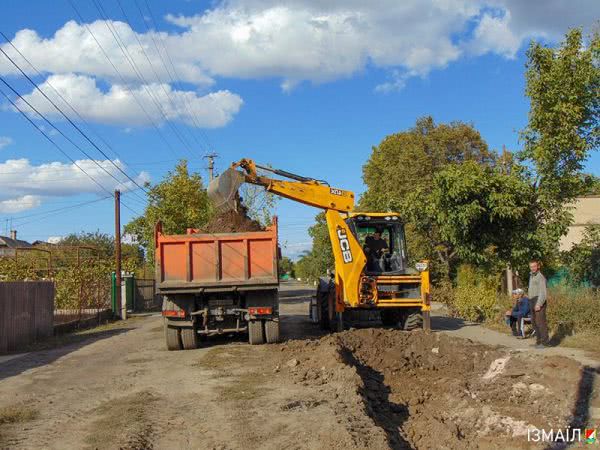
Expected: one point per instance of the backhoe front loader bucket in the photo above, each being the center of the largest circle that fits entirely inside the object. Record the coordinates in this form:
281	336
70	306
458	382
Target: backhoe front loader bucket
223	189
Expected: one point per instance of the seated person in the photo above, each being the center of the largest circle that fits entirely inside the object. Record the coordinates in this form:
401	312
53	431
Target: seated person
375	246
519	311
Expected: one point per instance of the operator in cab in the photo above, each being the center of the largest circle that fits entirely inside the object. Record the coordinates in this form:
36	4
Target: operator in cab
375	246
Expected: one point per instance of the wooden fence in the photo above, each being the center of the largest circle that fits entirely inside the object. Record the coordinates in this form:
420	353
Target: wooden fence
26	313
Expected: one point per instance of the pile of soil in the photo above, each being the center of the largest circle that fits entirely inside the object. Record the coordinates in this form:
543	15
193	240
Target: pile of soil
422	390
231	222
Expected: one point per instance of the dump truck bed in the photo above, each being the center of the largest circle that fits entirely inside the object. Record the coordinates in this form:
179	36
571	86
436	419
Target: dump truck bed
209	262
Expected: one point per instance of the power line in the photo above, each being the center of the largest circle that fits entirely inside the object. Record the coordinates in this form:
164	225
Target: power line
141	78
169	97
58	147
68	119
52	141
125	84
189	109
64	208
57	129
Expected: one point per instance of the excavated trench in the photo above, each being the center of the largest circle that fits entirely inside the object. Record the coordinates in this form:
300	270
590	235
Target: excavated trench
418	390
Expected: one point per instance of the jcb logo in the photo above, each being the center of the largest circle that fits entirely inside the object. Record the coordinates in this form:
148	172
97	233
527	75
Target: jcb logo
344	245
335	191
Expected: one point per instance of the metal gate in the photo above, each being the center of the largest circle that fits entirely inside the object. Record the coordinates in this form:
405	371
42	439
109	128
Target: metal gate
145	296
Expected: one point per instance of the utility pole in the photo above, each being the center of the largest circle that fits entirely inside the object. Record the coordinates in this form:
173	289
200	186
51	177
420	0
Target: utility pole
121	310
211	165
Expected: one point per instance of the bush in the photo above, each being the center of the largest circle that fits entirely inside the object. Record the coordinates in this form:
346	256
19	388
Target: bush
576	309
475	297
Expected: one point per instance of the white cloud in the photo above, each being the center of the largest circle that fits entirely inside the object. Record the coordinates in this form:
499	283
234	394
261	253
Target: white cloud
493	34
73	49
5	141
24	186
306	40
19	204
54	239
119	106
396	83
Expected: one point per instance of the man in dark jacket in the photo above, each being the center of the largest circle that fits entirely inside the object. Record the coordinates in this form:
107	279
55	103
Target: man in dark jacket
537	303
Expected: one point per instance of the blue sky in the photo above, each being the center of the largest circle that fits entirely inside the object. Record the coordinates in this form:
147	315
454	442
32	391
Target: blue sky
303	87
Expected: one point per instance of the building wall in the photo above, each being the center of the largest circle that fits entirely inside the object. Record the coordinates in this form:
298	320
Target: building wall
587	212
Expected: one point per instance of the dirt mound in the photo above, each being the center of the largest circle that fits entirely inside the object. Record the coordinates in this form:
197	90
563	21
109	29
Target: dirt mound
231	222
434	391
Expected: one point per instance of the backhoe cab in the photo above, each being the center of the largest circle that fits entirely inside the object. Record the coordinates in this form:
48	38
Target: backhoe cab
371	264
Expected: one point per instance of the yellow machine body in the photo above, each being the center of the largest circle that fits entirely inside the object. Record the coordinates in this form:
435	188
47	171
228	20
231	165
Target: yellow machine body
355	288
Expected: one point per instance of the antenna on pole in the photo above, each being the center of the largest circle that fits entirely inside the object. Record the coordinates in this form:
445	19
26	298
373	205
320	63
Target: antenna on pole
211	165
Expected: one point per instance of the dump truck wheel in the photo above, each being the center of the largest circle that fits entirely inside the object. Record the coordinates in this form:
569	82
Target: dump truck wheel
256	335
414	321
272	331
172	337
189	338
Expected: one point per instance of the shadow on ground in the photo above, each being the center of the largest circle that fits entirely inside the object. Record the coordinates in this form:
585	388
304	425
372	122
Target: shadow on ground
68	344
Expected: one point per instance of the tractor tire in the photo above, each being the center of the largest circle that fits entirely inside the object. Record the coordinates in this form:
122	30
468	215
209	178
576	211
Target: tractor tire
256	335
189	338
322	304
172	337
414	321
391	318
272	331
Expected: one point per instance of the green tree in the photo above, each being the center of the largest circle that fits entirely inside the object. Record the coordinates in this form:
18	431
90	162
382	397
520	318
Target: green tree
407	162
286	265
179	201
563	86
103	244
315	263
409	159
476	214
583	260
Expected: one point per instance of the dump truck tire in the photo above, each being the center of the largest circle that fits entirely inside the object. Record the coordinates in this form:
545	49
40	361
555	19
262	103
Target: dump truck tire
189	338
272	331
256	334
414	321
172	337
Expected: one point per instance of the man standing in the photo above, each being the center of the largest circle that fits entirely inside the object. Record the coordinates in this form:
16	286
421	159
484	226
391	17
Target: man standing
537	304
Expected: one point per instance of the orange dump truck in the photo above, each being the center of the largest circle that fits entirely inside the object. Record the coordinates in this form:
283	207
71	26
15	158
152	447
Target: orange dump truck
218	284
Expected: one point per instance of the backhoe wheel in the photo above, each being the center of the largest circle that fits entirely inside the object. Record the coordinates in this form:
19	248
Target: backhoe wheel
272	331
414	321
189	338
172	337
323	310
256	335
391	318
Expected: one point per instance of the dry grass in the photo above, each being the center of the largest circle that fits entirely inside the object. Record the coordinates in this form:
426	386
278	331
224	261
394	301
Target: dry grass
244	388
124	423
17	414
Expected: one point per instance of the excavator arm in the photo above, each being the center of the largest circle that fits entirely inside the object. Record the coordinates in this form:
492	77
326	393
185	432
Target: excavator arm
302	189
350	259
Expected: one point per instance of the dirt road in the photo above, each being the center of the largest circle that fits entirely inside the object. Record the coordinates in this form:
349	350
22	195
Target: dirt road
368	388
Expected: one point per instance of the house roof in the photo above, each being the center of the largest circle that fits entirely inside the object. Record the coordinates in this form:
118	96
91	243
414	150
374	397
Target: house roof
13	243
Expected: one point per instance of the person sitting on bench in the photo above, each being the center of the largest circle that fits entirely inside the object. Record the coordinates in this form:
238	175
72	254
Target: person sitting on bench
518	312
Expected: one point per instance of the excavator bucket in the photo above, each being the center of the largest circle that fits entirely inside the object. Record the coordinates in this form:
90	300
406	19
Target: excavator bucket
223	189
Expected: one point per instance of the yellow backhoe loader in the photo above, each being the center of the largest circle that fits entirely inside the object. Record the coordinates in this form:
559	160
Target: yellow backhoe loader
371	264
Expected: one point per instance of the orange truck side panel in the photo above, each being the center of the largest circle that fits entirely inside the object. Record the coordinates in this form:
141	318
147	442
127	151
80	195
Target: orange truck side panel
203	259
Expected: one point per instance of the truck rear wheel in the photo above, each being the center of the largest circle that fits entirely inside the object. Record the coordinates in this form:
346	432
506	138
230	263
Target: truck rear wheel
189	338
414	321
172	337
272	331
256	335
